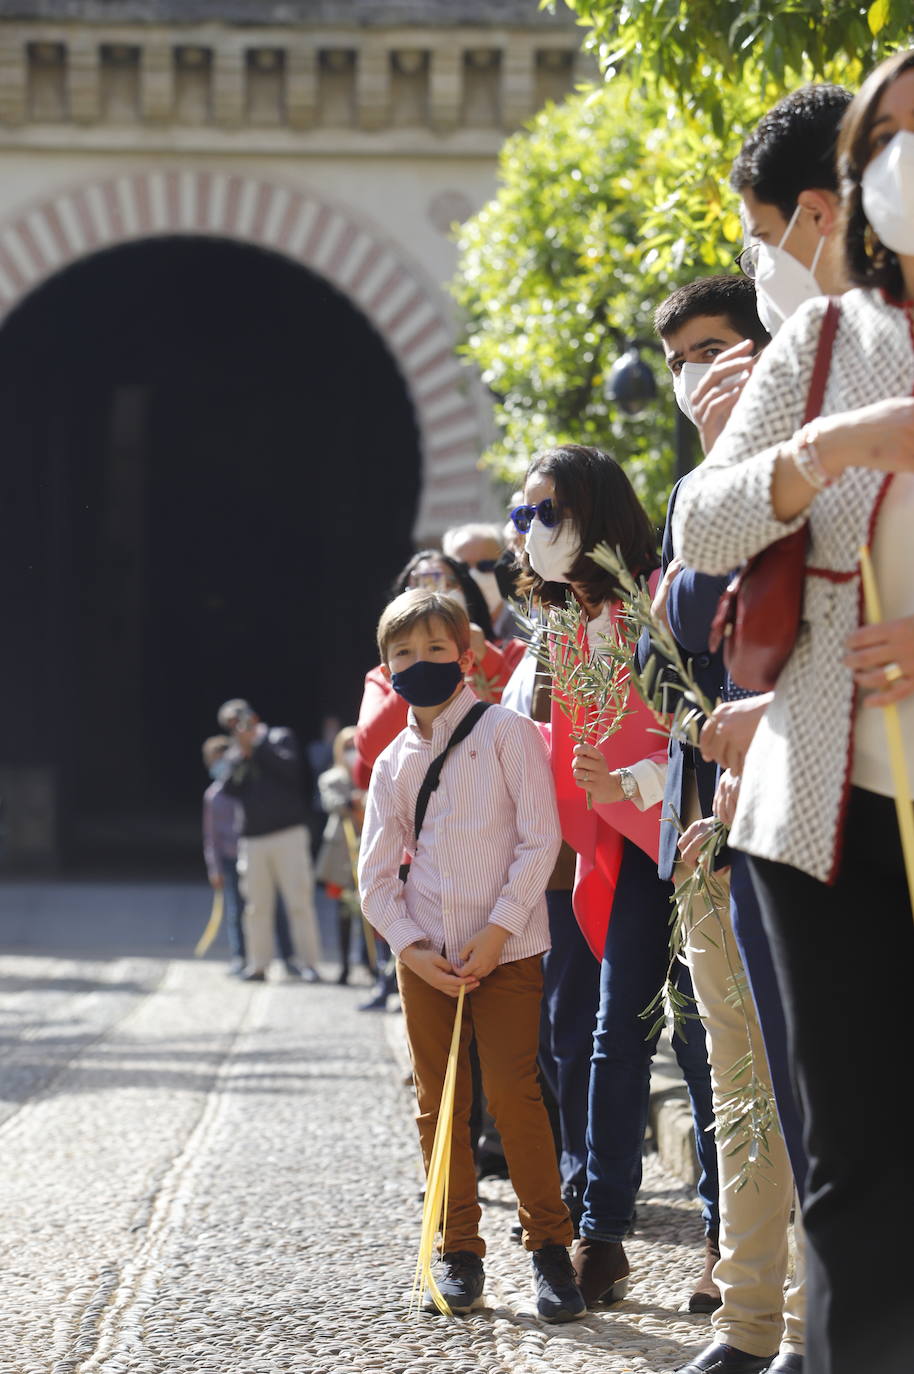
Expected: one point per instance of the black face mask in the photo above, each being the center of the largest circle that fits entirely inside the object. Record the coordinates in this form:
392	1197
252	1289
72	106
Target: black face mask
427	684
507	571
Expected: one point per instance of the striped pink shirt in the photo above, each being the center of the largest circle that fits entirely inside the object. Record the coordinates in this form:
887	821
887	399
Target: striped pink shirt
489	840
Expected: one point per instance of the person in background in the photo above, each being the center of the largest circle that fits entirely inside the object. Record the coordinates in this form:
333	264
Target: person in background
263	772
222	822
319	756
513	539
341	802
222	819
483	550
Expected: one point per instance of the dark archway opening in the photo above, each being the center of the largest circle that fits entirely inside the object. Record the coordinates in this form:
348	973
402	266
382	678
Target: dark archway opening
210	475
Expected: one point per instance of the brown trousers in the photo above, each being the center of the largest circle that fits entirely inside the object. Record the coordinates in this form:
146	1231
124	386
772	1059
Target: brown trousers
504	1013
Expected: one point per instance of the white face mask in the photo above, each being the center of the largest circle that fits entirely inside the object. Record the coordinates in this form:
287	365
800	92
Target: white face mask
888	194
782	284
487	583
457	595
684	384
552	552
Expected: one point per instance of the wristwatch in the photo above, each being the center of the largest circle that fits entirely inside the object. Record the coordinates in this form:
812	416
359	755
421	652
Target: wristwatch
628	784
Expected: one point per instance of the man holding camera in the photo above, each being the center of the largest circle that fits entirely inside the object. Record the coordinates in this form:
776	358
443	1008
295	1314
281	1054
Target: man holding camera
263	770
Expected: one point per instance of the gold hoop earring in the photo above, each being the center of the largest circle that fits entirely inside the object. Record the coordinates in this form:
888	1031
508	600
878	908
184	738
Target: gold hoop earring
872	246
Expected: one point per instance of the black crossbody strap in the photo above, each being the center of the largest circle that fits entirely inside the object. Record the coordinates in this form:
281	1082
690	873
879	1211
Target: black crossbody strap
433	776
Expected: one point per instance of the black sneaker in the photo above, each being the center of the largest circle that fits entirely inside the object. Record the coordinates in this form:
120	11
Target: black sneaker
460	1278
558	1298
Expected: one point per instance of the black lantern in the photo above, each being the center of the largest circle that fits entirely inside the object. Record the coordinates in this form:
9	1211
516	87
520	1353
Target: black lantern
631	382
632	385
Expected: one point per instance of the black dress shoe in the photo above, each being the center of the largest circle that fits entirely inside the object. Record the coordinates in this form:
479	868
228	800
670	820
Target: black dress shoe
725	1359
788	1363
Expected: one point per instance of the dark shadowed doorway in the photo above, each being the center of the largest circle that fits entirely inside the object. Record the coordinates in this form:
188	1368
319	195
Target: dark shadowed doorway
210	475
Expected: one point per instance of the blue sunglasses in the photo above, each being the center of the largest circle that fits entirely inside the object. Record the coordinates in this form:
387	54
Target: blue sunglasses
522	517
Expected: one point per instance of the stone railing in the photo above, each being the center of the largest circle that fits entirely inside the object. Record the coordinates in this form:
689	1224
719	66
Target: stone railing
213	77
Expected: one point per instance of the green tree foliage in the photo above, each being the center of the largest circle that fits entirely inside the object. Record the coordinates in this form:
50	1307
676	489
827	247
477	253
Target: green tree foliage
704	49
589	231
609	201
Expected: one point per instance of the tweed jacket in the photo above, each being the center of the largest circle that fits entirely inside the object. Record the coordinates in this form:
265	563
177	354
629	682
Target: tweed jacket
797	772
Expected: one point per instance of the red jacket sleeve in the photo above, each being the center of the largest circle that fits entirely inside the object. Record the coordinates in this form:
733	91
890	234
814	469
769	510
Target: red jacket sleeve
382	715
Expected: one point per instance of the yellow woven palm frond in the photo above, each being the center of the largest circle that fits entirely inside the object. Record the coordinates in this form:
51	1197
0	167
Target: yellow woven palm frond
897	756
212	925
434	1211
352	845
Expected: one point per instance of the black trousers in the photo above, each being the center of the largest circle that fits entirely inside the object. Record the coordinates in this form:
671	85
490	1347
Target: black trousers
844	958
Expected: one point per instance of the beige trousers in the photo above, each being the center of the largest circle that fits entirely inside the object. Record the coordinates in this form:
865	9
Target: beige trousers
267	864
757	1314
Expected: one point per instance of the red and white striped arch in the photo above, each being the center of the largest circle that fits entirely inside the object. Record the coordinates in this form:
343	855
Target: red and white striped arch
327	237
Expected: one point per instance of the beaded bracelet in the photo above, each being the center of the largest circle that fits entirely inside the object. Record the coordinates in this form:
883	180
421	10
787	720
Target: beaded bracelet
806	460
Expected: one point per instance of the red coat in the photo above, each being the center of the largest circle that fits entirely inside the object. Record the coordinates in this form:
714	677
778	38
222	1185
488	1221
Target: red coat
597	835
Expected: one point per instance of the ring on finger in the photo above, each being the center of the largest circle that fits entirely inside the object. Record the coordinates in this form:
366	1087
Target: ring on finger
892	672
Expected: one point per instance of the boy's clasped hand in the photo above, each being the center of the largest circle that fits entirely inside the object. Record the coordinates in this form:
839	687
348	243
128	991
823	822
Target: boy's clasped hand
478	958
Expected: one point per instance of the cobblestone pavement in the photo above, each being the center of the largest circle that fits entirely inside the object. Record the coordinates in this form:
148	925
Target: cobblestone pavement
203	1175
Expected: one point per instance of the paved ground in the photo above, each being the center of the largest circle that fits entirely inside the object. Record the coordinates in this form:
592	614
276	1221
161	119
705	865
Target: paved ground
201	1175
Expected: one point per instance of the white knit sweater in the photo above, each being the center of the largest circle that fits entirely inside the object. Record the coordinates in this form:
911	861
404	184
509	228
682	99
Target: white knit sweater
797	771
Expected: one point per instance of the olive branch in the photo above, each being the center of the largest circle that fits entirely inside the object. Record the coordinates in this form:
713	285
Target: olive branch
746	1116
590	687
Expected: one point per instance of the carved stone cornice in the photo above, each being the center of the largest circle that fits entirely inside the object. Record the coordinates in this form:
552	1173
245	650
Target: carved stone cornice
406	90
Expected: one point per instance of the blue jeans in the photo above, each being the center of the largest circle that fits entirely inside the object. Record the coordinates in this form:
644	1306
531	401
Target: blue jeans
635	962
234	910
234	906
571	995
755	952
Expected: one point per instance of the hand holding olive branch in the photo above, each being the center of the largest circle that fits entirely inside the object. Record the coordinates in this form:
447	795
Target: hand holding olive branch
589	688
682	717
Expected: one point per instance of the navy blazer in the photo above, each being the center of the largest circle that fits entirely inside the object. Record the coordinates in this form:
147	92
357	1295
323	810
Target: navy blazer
691	605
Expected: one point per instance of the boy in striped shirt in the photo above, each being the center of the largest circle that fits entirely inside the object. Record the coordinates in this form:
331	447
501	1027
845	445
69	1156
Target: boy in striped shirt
472	914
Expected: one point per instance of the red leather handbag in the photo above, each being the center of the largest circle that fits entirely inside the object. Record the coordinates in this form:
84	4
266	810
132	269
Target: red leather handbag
758	616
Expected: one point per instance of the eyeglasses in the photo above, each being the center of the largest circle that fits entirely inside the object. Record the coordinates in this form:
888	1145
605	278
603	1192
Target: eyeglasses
432	580
485	565
747	259
549	514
